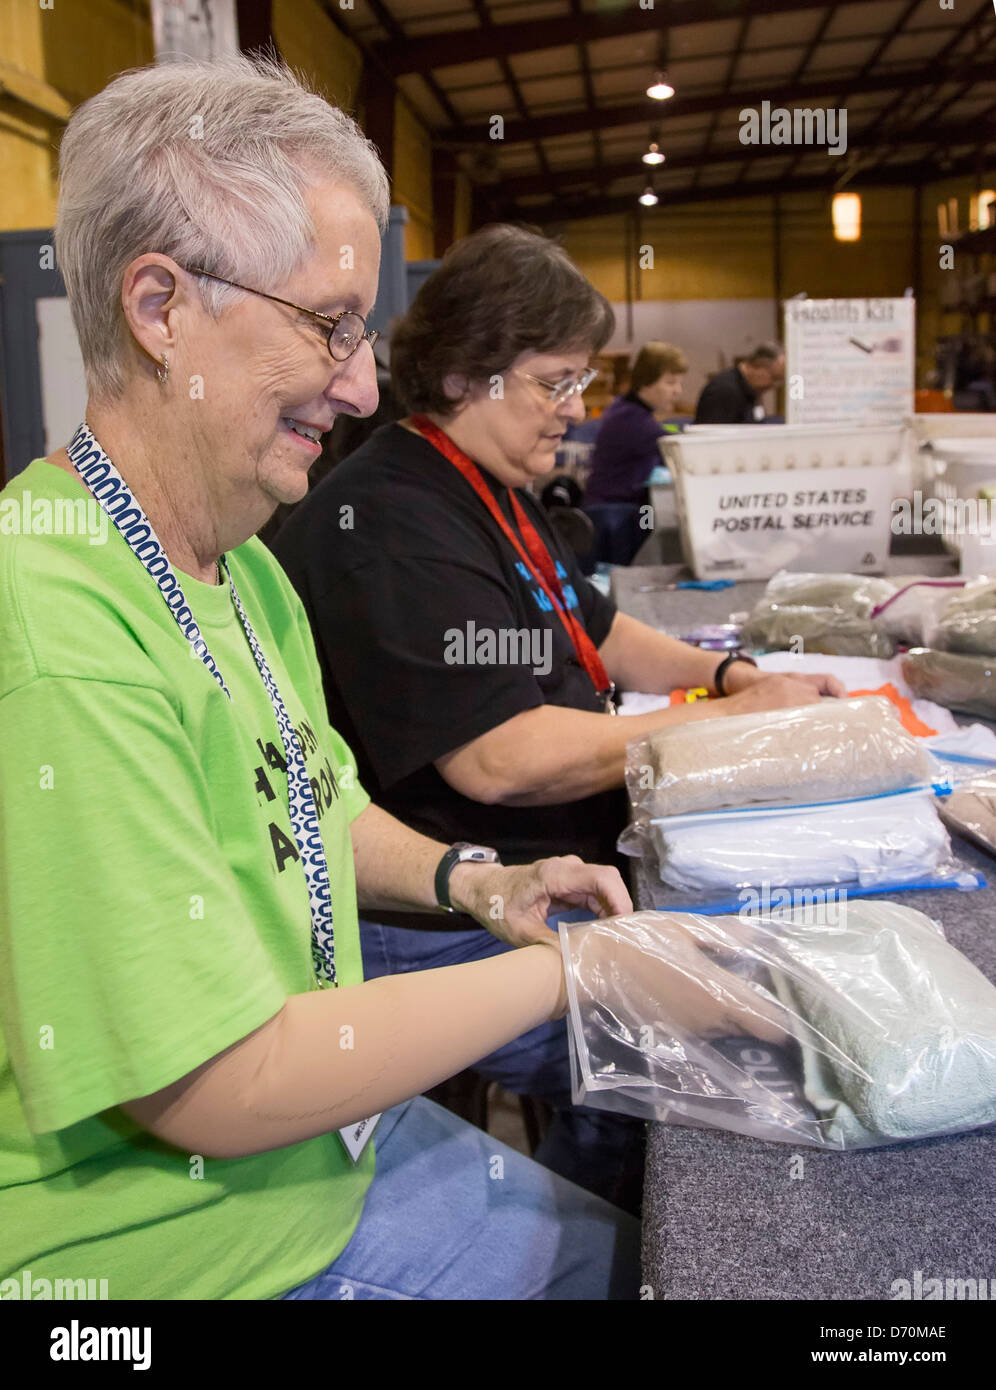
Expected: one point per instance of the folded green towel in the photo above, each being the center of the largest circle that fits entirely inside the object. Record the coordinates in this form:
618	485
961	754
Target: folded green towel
948	678
910	1021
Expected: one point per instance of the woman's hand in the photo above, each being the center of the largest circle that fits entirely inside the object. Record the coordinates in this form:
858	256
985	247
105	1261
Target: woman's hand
653	972
740	675
773	690
514	901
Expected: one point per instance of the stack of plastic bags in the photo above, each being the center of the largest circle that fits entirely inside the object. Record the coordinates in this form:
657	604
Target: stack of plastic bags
828	613
856	615
835	793
949	624
968	621
861	1028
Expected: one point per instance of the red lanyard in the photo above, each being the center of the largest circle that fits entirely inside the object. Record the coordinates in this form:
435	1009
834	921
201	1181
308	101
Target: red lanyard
537	561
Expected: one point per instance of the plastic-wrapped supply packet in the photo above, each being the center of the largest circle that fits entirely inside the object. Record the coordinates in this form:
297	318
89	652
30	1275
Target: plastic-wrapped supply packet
910	615
829	613
828	751
970	810
853	1031
948	678
968	623
891	840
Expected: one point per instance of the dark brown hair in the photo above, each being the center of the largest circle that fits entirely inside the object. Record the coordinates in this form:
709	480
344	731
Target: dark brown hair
499	292
763	354
652	361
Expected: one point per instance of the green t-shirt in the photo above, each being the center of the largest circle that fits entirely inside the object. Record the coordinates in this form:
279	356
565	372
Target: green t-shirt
153	910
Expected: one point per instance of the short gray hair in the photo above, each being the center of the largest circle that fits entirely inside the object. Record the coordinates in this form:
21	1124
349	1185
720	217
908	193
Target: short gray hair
207	163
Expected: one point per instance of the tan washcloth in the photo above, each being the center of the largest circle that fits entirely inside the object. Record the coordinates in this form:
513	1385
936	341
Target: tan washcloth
971	810
829	751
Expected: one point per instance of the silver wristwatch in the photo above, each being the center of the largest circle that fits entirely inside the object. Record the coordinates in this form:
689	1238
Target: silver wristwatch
458	854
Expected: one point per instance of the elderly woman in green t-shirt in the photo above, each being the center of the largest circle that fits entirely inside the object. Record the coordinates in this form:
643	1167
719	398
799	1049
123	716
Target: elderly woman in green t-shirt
188	1074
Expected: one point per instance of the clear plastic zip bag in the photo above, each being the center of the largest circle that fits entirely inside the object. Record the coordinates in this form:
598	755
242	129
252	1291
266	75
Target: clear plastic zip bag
831	613
885	842
854	1025
827	751
952	679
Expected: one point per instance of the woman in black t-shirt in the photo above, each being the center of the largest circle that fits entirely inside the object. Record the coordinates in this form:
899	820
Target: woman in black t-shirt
466	659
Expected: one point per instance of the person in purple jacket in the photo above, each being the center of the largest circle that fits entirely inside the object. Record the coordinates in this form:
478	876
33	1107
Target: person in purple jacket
626	449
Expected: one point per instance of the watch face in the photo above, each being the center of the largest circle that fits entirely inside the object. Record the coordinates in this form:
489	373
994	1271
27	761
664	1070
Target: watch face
479	852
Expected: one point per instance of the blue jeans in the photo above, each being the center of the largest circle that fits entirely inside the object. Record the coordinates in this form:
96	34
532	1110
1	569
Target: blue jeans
597	1150
454	1215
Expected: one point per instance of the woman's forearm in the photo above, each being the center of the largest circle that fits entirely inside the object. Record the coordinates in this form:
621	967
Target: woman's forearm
638	657
333	1057
395	865
550	755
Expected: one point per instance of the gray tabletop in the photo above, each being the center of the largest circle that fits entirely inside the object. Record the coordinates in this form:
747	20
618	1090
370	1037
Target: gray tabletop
732	1218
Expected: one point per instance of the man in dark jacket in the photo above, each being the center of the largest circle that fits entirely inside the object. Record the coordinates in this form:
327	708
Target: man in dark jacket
733	397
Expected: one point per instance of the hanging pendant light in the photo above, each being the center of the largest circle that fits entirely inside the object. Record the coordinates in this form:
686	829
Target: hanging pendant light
653	154
648	197
660	89
846	212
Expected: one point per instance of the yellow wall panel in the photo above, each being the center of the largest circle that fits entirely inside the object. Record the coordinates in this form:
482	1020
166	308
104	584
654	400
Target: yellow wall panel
83	46
64	55
412	186
310	43
20	25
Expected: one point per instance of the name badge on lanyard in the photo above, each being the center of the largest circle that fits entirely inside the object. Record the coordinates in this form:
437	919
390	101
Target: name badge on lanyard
108	487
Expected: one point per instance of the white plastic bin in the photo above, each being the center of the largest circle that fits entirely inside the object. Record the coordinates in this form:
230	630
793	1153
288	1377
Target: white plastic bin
957	424
957	469
753	499
924	429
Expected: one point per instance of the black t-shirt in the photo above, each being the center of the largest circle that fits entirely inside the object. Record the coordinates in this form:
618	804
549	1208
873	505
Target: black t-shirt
430	631
727	400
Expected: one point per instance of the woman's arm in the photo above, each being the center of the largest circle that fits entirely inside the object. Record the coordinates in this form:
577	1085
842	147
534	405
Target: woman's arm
638	657
332	1057
550	755
396	868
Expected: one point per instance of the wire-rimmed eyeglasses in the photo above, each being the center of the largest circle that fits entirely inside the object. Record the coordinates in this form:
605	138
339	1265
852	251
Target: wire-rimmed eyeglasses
346	330
566	387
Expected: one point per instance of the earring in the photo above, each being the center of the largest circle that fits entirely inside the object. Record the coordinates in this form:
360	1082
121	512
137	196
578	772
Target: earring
162	373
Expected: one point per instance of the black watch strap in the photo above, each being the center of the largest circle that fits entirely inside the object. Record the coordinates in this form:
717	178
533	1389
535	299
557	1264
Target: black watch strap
725	665
459	854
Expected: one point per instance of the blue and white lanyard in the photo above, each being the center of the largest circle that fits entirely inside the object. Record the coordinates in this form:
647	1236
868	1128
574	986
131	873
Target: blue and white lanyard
110	490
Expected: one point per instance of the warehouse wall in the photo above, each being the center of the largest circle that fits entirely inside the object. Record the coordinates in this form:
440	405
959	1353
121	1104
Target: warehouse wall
413	181
310	43
52	60
726	252
55	58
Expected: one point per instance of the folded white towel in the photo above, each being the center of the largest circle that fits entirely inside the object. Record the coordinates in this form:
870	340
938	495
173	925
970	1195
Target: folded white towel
888	839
